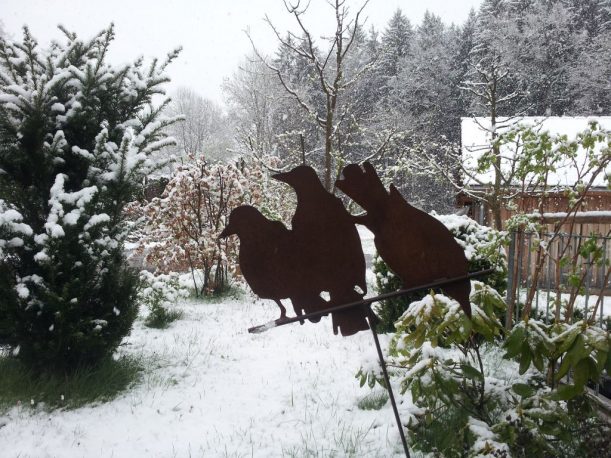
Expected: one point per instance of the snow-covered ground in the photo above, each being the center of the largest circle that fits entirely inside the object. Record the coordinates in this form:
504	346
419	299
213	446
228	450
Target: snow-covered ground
214	390
582	302
211	389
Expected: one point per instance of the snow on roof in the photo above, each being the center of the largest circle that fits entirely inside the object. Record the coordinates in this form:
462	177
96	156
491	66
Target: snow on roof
476	135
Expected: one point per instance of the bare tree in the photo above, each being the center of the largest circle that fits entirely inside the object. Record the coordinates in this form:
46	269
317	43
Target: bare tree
332	80
251	94
203	132
495	93
487	95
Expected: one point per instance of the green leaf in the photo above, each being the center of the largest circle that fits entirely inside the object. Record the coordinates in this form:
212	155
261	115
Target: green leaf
581	373
525	358
578	350
513	344
538	359
419	338
471	372
593	372
362	378
601	359
569	340
523	389
371	381
563	369
566	392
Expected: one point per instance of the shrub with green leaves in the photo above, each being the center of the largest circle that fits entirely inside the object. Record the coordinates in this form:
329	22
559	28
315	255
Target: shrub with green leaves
579	350
495	399
160	294
76	139
483	249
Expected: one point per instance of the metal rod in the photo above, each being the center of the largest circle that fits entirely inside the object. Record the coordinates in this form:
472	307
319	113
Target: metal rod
387	381
368	301
602	283
576	236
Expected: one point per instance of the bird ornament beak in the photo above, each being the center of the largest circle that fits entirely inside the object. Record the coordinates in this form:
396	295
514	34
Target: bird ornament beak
281	177
226	233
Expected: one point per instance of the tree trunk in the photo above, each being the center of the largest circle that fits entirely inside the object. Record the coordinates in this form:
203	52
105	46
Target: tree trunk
329	143
496	151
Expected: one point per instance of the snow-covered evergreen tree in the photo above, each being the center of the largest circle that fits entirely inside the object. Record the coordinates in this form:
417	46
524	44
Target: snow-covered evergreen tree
75	139
543	53
593	16
396	43
589	77
424	82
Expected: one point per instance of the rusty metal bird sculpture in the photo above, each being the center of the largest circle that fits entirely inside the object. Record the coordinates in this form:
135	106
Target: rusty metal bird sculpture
322	253
415	245
270	262
328	243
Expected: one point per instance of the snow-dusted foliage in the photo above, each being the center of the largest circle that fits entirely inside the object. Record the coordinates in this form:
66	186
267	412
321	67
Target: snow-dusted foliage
501	394
75	139
483	248
181	228
160	294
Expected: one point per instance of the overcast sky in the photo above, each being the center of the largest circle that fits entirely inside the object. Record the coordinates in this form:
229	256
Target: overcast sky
211	32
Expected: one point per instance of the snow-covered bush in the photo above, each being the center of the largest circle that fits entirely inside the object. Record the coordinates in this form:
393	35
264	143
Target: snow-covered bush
76	135
463	377
160	294
548	165
483	249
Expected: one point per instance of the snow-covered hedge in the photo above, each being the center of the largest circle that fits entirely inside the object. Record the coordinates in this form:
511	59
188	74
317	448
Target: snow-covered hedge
483	247
499	389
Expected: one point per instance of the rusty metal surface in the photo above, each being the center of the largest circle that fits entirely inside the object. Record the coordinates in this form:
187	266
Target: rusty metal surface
329	247
415	245
319	264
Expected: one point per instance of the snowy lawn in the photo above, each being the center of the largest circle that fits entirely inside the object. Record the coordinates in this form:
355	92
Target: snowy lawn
544	303
212	389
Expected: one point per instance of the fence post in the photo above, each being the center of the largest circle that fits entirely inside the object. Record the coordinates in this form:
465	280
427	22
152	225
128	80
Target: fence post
510	280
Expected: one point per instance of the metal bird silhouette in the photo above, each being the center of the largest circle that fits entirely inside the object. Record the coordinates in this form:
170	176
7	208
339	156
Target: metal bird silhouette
327	242
265	254
415	245
322	255
270	263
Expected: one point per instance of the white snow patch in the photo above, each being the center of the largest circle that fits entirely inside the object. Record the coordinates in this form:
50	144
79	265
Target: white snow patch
213	389
22	291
